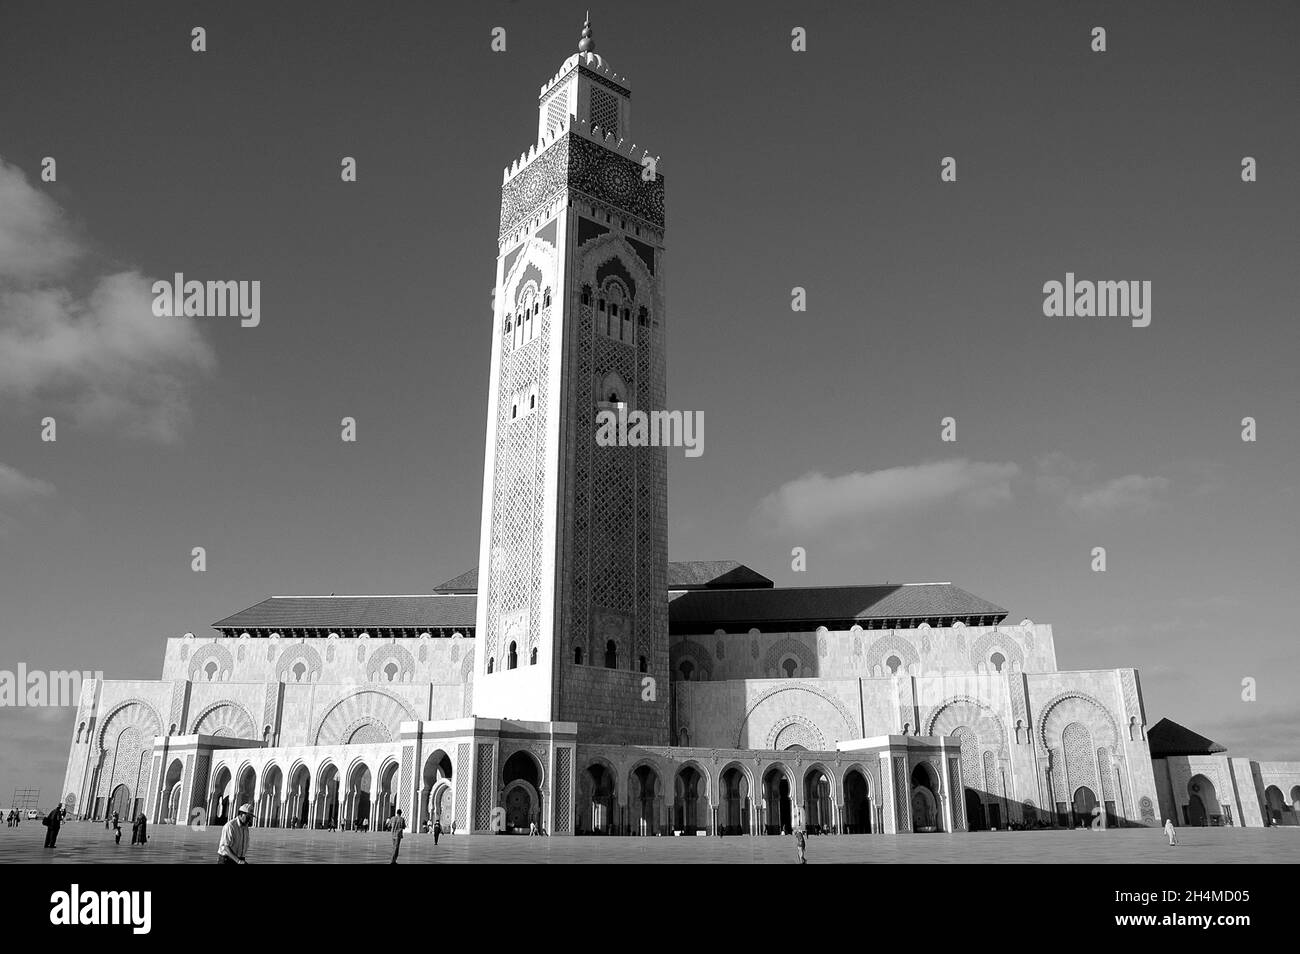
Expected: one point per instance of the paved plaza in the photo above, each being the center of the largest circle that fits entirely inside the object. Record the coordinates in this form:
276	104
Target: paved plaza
90	843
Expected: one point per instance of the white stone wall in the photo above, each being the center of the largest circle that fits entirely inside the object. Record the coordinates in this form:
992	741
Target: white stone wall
1240	784
1016	749
274	692
860	654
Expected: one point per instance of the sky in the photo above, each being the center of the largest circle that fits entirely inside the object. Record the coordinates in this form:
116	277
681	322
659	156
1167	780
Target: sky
817	169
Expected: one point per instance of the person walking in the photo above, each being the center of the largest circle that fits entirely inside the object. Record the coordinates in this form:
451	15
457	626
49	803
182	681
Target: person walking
437	831
139	830
1170	833
117	828
233	847
397	824
52	822
801	842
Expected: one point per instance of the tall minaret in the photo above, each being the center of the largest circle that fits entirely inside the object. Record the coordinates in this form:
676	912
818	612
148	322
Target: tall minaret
572	610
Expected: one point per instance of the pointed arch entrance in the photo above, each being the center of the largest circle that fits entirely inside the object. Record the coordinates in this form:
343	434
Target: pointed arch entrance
735	806
521	796
778	799
857	803
818	813
926	816
1202	803
644	800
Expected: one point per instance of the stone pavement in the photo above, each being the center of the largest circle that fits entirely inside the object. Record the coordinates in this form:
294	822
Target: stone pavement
90	843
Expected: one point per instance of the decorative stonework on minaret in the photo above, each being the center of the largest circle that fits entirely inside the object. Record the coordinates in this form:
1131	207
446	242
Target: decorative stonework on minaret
573	553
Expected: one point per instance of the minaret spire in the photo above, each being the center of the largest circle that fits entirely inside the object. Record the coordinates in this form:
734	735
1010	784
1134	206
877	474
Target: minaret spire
585	43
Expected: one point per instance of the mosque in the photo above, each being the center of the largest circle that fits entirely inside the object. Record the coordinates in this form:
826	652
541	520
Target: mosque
579	681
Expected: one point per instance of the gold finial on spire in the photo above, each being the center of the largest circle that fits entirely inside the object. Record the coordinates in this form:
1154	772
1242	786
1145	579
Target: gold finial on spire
586	44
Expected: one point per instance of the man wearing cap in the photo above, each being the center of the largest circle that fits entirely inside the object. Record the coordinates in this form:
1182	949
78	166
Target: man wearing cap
234	837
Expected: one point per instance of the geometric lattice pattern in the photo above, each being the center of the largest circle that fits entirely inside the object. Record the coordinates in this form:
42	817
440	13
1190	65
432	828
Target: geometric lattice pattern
1147	811
225	719
363	716
970	757
604	111
992	777
407	759
619	513
563	789
575	163
954	790
798	733
1058	776
1107	775
902	802
612	494
557	110
484	784
1079	766
462	785
519	483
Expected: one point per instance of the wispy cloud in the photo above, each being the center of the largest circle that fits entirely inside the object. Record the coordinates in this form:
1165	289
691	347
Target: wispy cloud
16	490
15	485
102	355
815	501
1072	483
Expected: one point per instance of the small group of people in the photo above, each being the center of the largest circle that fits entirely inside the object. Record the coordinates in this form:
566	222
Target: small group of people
139	828
12	818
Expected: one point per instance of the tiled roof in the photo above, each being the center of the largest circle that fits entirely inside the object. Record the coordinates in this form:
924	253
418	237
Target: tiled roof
701	607
824	604
354	613
716	574
467	582
688	575
1167	737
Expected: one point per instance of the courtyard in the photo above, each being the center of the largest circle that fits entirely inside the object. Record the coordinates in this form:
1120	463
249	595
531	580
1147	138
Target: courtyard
91	843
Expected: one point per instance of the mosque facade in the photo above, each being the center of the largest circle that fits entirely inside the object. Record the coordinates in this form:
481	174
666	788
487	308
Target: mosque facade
582	683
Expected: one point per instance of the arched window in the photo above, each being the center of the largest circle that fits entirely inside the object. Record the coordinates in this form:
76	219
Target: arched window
893	664
641	666
997	661
532	402
642	316
509	325
577	655
513	659
686	669
791	666
586	294
548	298
490	663
532	657
391	671
611	655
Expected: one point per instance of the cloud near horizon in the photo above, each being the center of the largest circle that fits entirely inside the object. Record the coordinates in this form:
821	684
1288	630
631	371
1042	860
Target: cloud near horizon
16	488
103	355
815	502
1072	483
